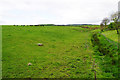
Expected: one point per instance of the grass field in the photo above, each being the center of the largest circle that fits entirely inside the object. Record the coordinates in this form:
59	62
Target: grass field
111	35
67	52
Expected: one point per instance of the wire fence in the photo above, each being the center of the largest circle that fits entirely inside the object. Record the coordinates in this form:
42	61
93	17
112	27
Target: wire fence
110	41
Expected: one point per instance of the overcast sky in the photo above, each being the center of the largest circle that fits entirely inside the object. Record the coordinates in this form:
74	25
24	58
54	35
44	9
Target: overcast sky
55	11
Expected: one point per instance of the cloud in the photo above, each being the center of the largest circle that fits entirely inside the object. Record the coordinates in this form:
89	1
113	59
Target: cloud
2	22
55	11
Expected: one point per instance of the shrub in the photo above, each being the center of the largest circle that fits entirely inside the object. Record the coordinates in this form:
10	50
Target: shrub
111	26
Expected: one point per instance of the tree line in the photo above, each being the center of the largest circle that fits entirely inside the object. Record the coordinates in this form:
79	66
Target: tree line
114	21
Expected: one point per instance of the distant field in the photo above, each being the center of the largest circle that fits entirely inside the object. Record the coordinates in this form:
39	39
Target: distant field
91	26
67	52
111	35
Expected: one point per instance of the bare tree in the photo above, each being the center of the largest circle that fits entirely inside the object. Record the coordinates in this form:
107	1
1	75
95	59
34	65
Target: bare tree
101	27
105	21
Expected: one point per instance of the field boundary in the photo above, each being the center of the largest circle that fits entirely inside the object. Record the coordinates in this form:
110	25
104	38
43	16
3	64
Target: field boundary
110	41
106	52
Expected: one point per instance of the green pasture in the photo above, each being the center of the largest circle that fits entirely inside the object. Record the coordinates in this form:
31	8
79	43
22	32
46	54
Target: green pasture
67	52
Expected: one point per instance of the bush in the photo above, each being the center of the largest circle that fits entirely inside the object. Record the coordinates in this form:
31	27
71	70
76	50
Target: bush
111	26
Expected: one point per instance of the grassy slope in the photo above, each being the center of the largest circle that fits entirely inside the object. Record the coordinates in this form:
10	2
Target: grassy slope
66	52
106	46
111	35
